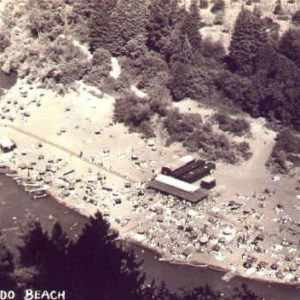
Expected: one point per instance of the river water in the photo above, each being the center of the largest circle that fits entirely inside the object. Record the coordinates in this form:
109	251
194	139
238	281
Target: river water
16	207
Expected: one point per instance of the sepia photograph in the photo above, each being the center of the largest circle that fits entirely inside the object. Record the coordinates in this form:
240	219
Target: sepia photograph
150	149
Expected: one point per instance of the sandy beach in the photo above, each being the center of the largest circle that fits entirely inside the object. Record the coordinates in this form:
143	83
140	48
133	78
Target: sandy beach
70	146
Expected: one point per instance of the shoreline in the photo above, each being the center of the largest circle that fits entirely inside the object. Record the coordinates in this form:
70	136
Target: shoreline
129	240
211	267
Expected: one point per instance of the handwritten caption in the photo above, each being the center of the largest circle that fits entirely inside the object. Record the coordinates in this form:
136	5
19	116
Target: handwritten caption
30	294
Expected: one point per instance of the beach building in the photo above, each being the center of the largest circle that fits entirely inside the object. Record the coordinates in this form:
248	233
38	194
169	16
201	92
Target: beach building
177	179
188	167
208	183
183	161
176	183
193	170
192	196
196	174
7	145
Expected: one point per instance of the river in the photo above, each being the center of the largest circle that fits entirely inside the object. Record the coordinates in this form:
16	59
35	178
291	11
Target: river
16	207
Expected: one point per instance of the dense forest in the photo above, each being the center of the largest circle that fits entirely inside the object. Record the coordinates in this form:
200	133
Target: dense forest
95	266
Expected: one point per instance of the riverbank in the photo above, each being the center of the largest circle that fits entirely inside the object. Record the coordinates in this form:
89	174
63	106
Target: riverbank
14	202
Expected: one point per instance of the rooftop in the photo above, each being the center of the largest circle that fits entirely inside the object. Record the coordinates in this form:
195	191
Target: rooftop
193	197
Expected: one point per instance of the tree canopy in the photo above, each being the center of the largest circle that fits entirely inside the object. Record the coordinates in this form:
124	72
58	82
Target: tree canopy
248	38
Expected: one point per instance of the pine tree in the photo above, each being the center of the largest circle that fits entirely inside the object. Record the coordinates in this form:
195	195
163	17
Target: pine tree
101	269
95	16
164	17
273	92
192	25
182	50
41	260
289	45
248	38
35	245
179	83
112	29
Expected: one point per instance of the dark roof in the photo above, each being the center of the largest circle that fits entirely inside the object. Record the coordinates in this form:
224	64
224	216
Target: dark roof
194	197
179	172
166	171
208	184
195	175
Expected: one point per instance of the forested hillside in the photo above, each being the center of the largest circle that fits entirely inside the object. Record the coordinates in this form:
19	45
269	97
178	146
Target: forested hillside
169	50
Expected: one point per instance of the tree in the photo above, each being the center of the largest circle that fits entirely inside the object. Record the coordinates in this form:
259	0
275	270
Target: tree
178	85
136	47
101	269
134	112
193	81
248	38
296	18
6	267
272	92
40	262
59	270
218	5
95	16
238	126
286	148
46	18
112	28
192	25
35	245
4	40
101	66
213	49
289	45
203	4
41	44
95	266
278	79
164	18
182	50
272	29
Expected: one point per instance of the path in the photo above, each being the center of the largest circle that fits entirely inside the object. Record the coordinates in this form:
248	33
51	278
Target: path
102	168
71	152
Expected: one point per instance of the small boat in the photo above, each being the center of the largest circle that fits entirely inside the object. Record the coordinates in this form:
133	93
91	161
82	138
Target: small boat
229	276
38	196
